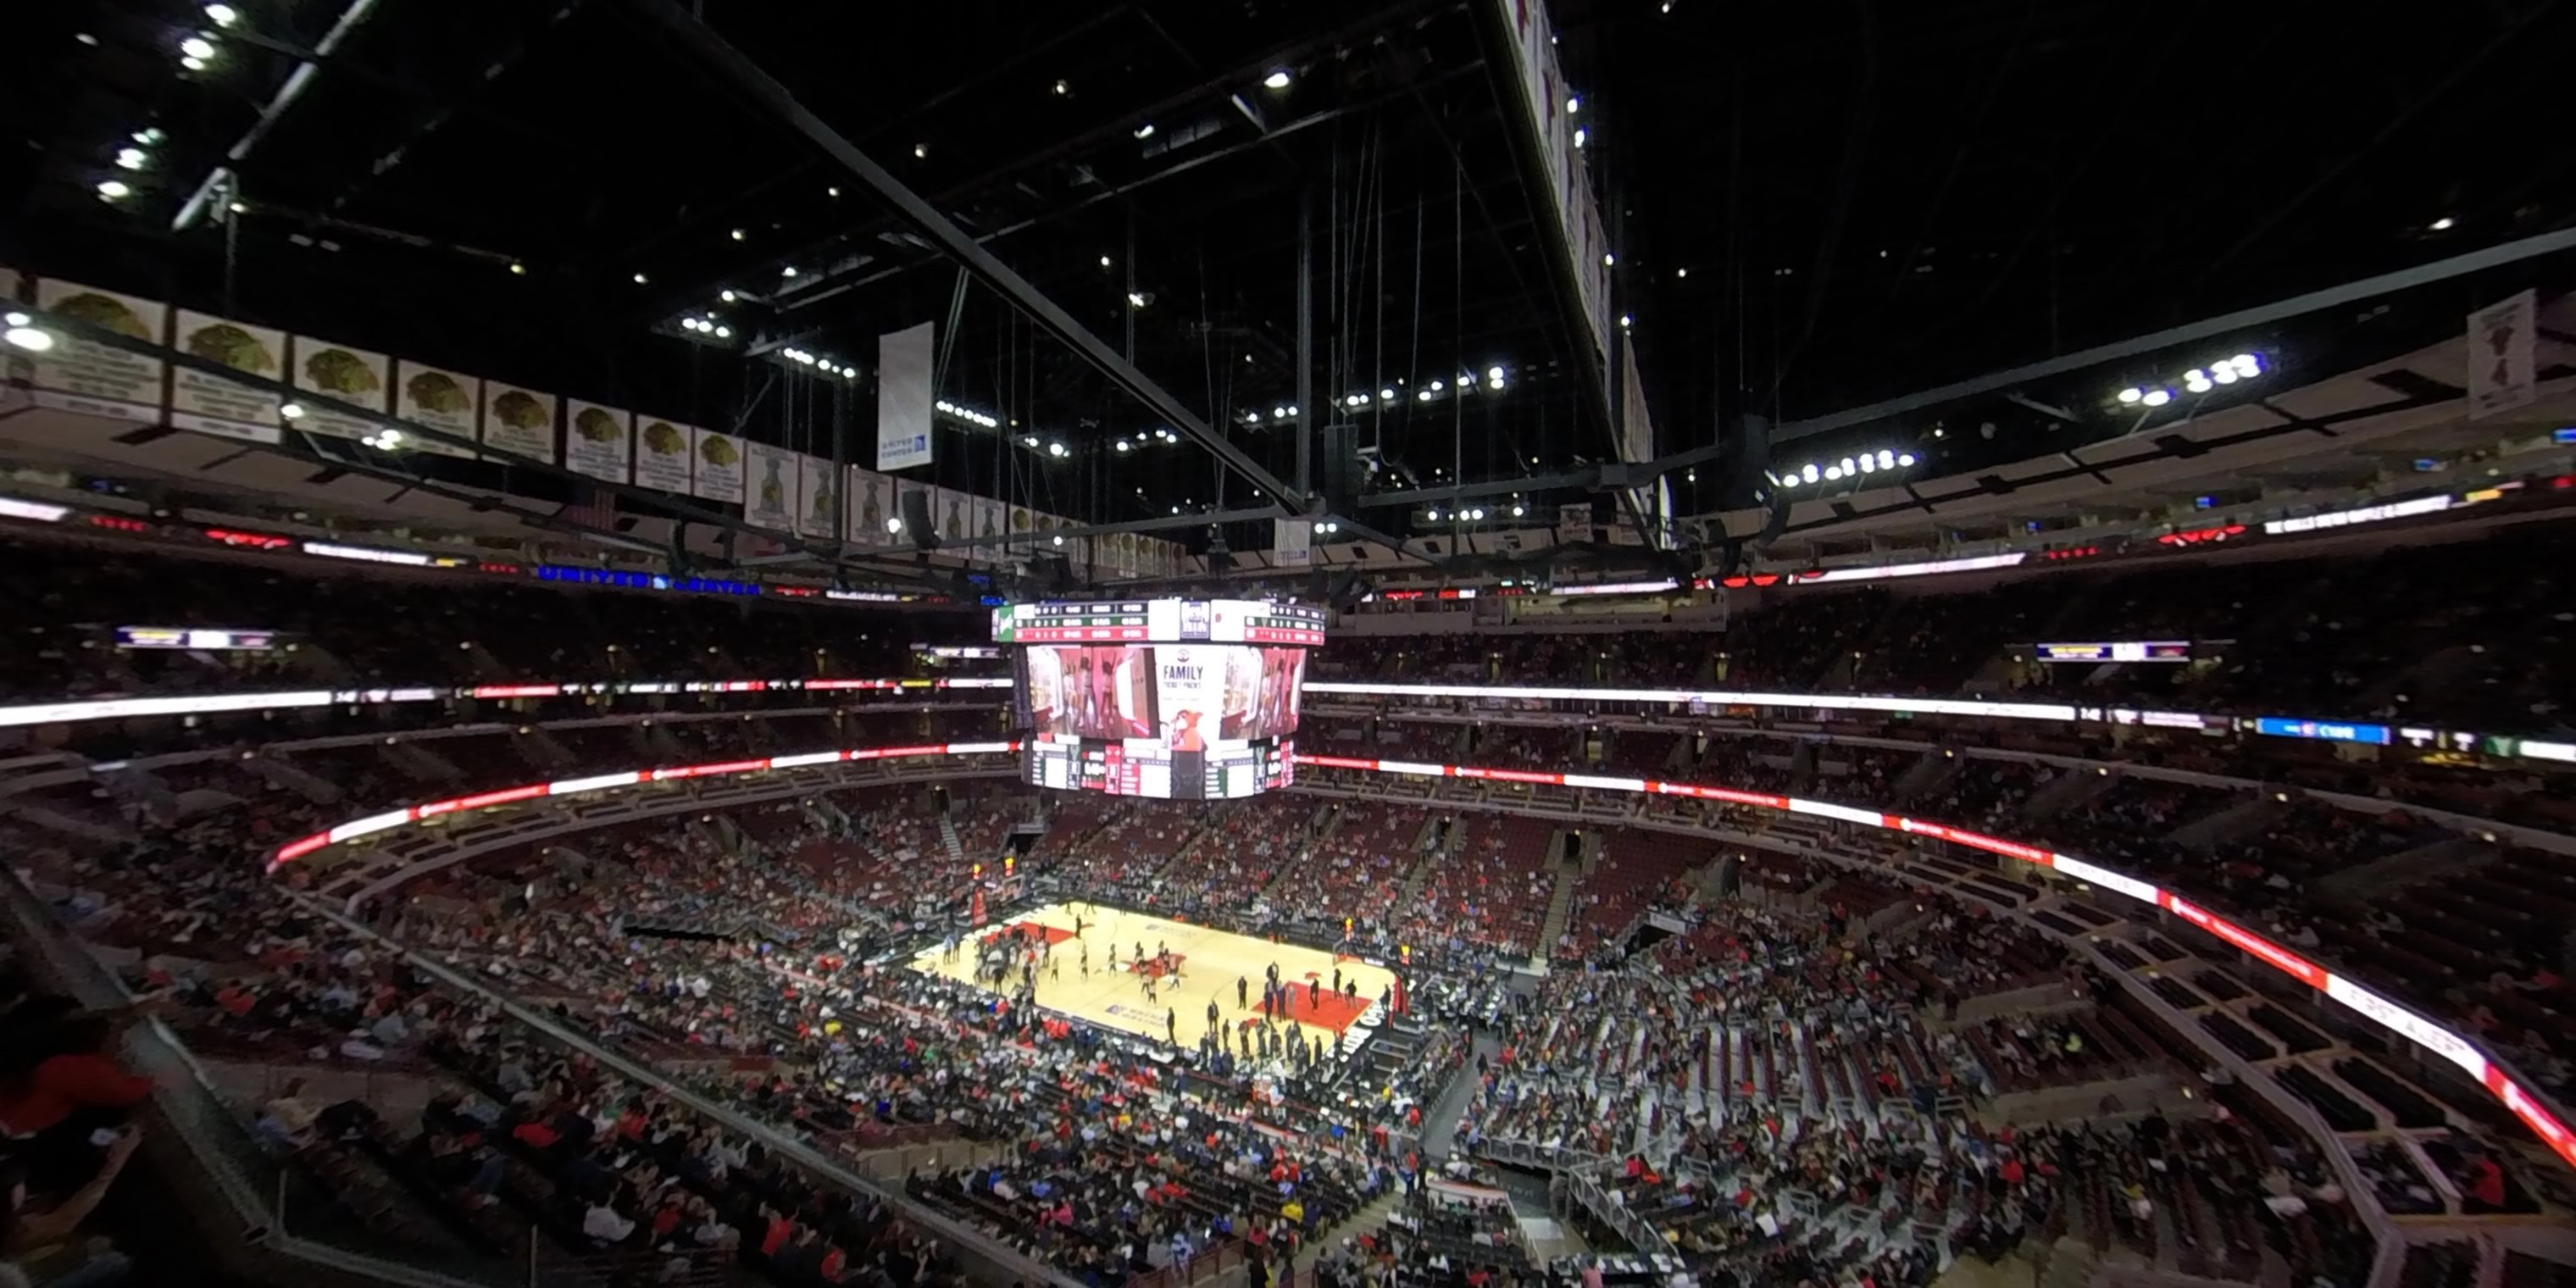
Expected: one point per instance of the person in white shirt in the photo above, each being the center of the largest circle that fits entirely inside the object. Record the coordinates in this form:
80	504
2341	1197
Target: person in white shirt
606	1224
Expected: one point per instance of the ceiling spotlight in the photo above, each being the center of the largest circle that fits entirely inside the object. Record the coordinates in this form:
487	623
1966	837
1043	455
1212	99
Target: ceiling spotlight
1477	514
1494	374
1847	465
1145	131
1833	473
724	333
737	234
391	438
2247	365
22	336
921	151
1277	79
1886	459
1059	539
894	525
1581	136
150	136
1905	459
2223	374
1517	511
1868	463
1386	395
2443	224
518	269
1809	473
86	39
291	411
197	47
222	15
1061	88
1252	418
1279	413
1176	509
1681	272
1028	440
833	191
2132	394
1573	105
2157	397
129	158
114	190
1135	300
1609	260
1104	261
193	63
639	279
1124	446
1789	481
1435	516
787	271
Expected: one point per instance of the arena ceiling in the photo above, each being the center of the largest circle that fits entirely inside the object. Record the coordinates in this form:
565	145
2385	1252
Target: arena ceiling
1817	209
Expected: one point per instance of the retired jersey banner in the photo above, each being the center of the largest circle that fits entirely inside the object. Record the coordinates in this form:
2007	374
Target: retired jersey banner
2503	374
904	399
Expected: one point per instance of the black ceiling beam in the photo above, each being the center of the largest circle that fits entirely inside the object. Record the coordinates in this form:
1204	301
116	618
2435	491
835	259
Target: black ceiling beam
747	78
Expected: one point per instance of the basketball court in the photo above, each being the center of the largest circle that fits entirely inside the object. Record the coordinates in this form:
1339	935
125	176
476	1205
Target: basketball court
1207	966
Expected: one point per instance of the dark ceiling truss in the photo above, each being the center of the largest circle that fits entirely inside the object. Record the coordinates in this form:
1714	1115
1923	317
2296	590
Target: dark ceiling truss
747	79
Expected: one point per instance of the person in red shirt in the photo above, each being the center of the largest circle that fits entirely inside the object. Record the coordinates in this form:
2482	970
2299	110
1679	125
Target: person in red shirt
775	1237
56	1088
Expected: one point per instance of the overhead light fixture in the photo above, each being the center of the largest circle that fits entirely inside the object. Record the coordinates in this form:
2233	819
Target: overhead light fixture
198	47
1061	87
1581	136
291	410
1145	131
1104	261
114	190
22	336
2197	381
2443	224
1124	446
149	136
724	333
1623	321
1573	105
129	158
737	234
1386	395
1028	440
1423	395
1279	413
2132	394
1435	516
1277	79
921	151
2157	397
727	296
1608	260
787	270
1516	511
2246	365
1055	449
518	269
1833	473
222	15
1059	538
639	279
1808	473
894	525
1135	300
833	191
1886	459
1905	460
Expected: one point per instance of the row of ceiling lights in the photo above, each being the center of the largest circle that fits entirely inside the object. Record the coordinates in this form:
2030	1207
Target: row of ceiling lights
969	415
1473	514
2198	380
1885	459
828	367
1466	385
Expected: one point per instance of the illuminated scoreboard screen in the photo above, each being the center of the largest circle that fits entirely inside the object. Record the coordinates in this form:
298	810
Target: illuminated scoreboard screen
2115	651
1179	698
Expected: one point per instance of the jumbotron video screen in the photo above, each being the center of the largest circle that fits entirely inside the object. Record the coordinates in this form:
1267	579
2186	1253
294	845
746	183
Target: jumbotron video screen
1177	698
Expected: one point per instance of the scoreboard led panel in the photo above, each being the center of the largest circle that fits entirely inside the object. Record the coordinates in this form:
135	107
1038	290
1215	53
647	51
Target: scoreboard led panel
1174	698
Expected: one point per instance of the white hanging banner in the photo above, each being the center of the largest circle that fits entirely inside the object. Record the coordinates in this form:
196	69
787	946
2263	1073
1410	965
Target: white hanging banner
818	503
78	375
904	398
716	472
662	455
598	441
2503	374
1292	542
769	497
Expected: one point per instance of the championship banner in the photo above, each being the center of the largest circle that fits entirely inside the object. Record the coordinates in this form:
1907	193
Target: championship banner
210	404
769	476
349	375
904	399
599	441
2502	372
662	455
521	422
872	503
715	472
79	375
438	399
818	503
